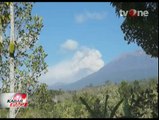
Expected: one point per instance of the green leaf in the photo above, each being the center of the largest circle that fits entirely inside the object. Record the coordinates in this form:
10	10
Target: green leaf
115	109
87	106
105	106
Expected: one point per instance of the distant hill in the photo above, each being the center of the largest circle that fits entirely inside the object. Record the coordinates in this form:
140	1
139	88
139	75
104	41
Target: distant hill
135	65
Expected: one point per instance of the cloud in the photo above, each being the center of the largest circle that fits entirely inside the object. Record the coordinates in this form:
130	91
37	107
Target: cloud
70	45
84	62
87	15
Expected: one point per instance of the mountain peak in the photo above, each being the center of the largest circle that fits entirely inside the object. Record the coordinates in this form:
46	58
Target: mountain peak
129	66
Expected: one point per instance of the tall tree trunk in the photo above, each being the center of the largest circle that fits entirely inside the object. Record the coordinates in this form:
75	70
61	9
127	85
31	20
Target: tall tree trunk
12	79
1	41
1	47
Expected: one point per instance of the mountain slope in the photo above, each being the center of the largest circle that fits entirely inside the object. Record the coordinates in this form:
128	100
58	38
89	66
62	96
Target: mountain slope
130	66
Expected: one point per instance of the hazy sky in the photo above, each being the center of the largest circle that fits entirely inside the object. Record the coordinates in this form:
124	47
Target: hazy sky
79	38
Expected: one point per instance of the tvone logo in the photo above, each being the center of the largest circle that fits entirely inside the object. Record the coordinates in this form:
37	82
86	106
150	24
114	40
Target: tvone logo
134	13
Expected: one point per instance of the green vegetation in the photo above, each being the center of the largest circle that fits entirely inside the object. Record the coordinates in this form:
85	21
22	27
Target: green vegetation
140	30
135	99
29	56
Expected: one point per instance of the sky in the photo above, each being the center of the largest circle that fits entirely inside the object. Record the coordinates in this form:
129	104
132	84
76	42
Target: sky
79	38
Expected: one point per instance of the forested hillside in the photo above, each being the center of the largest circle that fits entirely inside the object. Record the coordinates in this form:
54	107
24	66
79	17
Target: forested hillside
137	99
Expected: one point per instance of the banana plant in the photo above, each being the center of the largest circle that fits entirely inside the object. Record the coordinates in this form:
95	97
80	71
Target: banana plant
97	113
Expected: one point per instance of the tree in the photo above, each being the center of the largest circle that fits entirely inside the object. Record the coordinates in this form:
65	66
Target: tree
28	57
4	20
11	58
142	30
42	97
1	41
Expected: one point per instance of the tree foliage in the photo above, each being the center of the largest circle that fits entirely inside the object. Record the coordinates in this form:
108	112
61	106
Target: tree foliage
141	30
29	56
136	99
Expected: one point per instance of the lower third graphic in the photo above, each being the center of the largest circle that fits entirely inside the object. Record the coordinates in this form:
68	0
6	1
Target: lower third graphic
8	100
